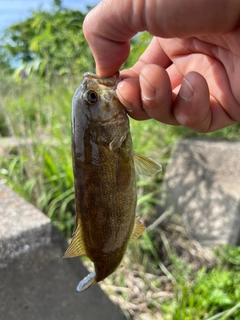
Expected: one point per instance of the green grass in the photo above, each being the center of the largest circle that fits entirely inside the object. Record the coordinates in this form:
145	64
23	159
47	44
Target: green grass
154	278
42	171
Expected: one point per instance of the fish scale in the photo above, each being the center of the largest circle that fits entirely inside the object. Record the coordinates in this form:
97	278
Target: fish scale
104	167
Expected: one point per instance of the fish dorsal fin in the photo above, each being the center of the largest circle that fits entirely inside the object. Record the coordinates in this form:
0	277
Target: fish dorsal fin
76	247
138	229
145	166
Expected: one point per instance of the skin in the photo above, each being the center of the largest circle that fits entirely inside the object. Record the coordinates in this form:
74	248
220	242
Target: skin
190	73
104	175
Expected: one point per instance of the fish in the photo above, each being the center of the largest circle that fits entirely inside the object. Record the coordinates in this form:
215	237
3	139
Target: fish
104	169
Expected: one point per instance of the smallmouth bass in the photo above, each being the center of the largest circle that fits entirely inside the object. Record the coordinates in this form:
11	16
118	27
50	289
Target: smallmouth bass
104	166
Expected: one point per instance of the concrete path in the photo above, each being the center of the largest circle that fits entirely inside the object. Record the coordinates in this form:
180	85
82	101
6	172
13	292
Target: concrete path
35	283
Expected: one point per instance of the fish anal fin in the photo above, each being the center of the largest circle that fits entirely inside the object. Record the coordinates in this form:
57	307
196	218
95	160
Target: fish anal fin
145	165
76	247
138	229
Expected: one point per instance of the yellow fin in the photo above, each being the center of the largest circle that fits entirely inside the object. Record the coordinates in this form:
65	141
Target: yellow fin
76	247
138	229
145	166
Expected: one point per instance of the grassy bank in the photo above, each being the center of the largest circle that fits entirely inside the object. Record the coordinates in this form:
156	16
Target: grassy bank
153	280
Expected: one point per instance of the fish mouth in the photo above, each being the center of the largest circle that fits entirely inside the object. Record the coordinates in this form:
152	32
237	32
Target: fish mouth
105	81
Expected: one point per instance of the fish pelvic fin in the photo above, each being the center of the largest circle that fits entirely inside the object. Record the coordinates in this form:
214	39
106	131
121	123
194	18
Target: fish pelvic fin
76	247
86	282
145	165
138	229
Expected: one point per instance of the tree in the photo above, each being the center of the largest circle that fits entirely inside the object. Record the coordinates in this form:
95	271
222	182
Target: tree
49	43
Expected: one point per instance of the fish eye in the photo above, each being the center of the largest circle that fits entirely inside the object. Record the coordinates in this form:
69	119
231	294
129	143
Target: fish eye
90	96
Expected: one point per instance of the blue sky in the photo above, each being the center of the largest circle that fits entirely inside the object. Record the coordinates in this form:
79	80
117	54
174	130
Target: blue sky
16	10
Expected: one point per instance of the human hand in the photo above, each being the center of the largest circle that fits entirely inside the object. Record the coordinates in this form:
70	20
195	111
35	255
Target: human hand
189	74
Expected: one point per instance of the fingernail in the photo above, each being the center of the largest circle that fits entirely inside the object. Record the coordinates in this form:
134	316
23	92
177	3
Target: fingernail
186	91
127	104
148	92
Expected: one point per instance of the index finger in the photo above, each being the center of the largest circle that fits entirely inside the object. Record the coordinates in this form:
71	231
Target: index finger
111	24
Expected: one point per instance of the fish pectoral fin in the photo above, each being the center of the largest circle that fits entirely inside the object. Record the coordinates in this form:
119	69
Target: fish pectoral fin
117	141
76	247
145	165
138	229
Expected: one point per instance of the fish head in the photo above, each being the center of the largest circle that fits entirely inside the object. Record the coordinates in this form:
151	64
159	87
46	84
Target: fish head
96	100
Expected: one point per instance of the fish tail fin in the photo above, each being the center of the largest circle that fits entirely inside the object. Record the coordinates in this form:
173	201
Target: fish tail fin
86	282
